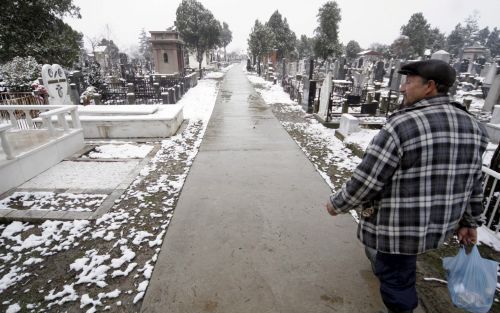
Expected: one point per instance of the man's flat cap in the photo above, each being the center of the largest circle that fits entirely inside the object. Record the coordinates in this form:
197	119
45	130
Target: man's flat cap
439	71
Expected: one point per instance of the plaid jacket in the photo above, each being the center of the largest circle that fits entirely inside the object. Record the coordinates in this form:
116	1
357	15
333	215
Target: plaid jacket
422	175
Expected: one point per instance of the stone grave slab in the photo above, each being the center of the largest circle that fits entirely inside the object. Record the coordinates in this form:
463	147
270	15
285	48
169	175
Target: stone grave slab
83	175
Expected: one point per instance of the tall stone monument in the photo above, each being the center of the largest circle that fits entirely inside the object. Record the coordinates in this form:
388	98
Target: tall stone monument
324	98
493	97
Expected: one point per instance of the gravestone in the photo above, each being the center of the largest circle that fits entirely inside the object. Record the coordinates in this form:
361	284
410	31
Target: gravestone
388	72
493	97
379	71
342	69
485	70
309	92
336	68
396	77
54	79
353	100
301	69
360	62
493	127
495	117
369	108
305	90
464	66
324	99
348	125
492	73
358	79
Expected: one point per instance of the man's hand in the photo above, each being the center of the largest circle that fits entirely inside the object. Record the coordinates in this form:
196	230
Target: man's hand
329	208
467	235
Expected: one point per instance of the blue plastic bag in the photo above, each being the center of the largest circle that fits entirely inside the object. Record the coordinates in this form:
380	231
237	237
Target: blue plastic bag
472	280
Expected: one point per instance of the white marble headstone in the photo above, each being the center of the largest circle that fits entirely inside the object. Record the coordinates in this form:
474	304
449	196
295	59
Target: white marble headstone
324	97
54	79
348	125
492	73
493	97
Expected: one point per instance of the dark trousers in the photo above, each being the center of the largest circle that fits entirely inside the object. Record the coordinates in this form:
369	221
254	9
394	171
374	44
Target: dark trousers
397	275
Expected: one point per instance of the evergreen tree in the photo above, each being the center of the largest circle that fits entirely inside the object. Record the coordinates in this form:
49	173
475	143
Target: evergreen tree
145	49
493	42
305	47
36	28
381	48
114	56
456	39
198	28
226	36
437	40
418	32
284	38
471	29
352	49
326	42
401	48
93	76
260	42
20	72
482	36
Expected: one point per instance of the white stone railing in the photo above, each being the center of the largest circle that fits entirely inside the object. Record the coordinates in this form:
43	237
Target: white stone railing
493	177
5	142
46	120
48	112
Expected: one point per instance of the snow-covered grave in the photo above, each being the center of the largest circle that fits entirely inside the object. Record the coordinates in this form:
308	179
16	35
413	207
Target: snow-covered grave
114	121
28	151
348	125
130	121
82	187
86	184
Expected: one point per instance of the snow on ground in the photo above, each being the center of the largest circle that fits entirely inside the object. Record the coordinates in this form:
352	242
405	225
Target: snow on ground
488	237
214	75
488	154
83	175
120	151
106	264
199	102
52	201
362	138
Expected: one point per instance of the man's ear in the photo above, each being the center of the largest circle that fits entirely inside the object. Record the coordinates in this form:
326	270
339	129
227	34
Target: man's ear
432	87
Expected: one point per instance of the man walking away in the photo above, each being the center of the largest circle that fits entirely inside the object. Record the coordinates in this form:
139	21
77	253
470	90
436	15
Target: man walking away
419	181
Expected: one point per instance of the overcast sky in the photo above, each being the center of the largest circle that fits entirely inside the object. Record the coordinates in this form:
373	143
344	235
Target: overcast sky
365	21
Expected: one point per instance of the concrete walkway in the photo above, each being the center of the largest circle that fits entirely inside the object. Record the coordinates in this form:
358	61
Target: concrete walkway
250	232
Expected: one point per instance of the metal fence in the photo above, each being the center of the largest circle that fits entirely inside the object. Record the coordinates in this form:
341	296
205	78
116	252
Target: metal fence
145	90
18	117
491	199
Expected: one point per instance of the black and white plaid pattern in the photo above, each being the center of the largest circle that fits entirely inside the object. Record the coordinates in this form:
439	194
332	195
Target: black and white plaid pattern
422	175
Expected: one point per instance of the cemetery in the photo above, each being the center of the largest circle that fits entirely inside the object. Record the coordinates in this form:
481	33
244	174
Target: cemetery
102	145
371	93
